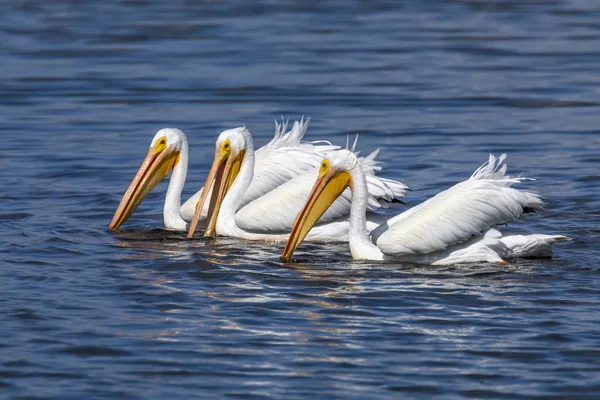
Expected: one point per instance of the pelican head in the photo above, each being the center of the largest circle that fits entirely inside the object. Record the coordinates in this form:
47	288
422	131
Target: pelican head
162	157
334	177
230	150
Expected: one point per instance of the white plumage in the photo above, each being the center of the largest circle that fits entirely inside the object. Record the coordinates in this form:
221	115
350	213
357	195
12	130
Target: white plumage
452	227
271	215
468	208
283	203
283	158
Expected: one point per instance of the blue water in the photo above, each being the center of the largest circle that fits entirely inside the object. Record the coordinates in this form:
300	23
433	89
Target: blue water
437	85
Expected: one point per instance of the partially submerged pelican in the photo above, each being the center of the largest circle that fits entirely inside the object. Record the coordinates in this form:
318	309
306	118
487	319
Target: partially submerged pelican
271	216
455	226
168	152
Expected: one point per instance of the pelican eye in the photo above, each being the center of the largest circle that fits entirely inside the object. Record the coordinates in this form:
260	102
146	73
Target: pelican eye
226	146
160	145
324	167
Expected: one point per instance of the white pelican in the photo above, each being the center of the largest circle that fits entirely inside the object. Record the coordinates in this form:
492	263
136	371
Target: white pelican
452	227
169	152
271	216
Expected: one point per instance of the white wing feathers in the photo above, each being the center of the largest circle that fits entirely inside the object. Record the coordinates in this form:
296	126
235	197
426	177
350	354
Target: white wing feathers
382	190
289	139
534	245
284	158
276	211
455	215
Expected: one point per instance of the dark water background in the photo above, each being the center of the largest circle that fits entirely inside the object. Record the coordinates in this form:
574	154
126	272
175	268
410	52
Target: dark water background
90	313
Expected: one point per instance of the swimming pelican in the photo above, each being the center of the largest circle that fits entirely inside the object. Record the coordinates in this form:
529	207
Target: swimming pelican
169	152
271	216
455	226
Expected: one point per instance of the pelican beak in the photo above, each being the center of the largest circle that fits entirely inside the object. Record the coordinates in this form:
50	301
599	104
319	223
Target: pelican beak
161	159
223	172
329	186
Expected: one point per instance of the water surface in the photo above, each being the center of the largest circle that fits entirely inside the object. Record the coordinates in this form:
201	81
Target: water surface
144	313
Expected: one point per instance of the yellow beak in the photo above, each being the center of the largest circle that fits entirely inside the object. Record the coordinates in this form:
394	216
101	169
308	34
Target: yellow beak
155	167
326	190
222	174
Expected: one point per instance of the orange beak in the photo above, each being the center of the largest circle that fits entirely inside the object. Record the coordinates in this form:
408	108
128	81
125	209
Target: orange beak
328	187
221	176
155	167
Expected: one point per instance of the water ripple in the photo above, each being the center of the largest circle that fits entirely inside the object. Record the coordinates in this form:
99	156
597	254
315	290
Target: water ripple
146	313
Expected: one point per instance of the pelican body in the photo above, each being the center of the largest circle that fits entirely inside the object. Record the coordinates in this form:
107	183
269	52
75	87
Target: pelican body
455	226
271	216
